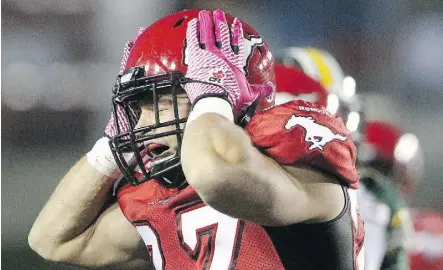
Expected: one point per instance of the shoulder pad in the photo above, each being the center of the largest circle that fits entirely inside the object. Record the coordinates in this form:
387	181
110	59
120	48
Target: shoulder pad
304	133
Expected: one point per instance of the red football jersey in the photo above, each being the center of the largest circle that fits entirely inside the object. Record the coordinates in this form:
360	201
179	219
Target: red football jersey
304	133
181	232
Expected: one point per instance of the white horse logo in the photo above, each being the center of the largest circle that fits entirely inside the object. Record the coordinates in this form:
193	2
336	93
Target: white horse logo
316	134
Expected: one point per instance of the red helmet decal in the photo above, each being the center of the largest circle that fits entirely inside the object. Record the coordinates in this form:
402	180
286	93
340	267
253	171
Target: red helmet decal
250	43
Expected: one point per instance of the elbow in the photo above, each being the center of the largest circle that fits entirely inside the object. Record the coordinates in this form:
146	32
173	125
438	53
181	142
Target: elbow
47	248
205	180
40	245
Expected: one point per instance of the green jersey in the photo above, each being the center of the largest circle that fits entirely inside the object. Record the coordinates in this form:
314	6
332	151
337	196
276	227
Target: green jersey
387	222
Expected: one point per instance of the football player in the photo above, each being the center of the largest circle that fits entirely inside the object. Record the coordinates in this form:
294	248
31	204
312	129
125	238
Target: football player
277	195
386	217
398	155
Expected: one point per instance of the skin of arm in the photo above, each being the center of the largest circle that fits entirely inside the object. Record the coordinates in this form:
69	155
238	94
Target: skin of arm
79	225
232	176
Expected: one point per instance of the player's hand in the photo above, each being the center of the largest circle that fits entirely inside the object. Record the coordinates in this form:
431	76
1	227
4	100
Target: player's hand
215	62
101	156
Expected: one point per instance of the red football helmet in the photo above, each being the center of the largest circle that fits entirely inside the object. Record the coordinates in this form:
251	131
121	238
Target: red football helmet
153	64
292	83
392	152
426	247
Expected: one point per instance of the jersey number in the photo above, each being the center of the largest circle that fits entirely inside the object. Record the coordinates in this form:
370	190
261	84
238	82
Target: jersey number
193	225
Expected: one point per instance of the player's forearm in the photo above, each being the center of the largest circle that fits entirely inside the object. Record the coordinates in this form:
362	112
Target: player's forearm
216	159
71	209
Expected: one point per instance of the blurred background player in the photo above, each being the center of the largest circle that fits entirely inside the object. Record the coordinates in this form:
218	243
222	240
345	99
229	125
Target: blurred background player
378	204
393	153
398	156
386	217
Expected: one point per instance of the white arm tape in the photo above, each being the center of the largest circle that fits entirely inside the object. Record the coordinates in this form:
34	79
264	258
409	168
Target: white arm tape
101	158
211	105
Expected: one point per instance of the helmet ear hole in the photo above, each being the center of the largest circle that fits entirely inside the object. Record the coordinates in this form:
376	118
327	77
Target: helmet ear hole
179	22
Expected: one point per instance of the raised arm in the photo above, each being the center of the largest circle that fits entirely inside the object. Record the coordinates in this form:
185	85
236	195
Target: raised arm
79	225
218	158
232	176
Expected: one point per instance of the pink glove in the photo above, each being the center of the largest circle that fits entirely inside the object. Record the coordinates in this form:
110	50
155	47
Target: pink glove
215	63
111	128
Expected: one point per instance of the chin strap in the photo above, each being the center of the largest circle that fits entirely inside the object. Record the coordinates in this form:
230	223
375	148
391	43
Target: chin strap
250	111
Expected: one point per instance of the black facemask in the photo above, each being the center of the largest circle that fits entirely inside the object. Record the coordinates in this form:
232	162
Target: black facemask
130	88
